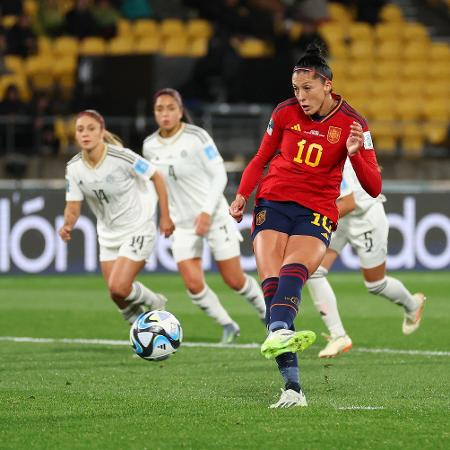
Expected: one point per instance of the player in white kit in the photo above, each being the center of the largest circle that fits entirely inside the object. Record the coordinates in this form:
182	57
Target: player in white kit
195	175
115	182
365	227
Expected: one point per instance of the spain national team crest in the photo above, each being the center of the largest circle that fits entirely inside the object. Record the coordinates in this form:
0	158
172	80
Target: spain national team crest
260	217
334	134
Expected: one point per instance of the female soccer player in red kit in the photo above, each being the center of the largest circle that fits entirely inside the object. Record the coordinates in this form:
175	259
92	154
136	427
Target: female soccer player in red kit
305	146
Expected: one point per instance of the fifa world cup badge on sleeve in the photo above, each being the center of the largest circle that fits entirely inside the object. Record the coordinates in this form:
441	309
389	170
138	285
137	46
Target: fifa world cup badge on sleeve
334	134
141	166
270	127
368	145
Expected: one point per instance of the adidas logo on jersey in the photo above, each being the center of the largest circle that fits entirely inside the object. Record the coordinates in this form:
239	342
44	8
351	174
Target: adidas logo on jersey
296	127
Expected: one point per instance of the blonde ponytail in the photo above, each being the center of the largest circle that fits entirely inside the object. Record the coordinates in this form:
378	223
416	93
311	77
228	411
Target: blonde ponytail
110	138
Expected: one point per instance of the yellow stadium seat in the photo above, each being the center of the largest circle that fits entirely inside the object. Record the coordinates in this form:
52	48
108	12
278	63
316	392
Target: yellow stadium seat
411	89
64	72
440	51
361	70
360	31
339	13
175	46
65	45
124	28
121	46
148	45
20	81
30	8
8	21
436	131
384	87
438	88
383	109
333	33
93	46
144	28
38	69
295	31
44	45
14	64
389	50
253	48
358	89
199	28
412	136
384	136
408	108
438	70
387	70
198	47
414	51
172	28
339	51
415	32
437	109
64	129
362	50
391	13
340	68
388	31
414	70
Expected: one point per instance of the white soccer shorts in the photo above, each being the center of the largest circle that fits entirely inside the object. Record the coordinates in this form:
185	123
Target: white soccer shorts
367	234
137	246
223	239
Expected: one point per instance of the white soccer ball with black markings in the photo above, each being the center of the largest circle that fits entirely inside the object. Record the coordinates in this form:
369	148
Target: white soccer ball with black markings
155	335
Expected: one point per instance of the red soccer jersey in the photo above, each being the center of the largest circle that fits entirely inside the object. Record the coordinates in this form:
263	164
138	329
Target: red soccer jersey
307	157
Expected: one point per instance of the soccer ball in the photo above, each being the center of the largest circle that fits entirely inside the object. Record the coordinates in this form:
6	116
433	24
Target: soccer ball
155	335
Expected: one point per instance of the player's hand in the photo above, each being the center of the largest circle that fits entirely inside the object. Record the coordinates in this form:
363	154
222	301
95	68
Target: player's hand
237	207
202	223
65	233
166	226
355	139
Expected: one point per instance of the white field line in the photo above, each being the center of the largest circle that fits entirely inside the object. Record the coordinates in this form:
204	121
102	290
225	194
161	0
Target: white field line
207	344
361	408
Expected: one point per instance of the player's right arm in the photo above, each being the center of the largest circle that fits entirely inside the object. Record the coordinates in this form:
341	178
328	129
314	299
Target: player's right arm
254	171
71	214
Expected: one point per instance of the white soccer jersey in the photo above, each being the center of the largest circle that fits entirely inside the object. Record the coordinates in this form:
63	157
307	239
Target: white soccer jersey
118	191
349	184
194	172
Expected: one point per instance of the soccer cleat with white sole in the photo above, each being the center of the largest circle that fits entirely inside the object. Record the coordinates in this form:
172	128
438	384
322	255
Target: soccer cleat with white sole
336	346
283	341
231	332
412	319
289	399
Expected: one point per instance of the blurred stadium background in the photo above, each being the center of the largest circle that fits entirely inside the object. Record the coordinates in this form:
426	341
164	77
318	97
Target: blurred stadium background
231	60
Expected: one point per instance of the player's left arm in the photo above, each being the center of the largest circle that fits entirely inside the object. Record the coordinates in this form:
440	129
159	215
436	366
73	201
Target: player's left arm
363	158
166	224
212	164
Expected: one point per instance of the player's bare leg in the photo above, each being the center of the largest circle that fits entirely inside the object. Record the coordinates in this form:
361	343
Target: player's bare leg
394	290
243	284
206	299
131	296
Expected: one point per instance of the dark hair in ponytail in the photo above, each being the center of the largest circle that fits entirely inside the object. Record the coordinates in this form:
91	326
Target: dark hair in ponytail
314	61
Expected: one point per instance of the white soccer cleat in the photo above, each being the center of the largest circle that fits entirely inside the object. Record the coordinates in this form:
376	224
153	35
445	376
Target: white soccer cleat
159	303
289	399
231	332
336	346
412	319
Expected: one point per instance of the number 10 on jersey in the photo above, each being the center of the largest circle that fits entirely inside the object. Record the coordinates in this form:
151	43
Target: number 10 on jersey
312	155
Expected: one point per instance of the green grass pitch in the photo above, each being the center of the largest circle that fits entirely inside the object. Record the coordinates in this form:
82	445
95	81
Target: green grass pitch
57	395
